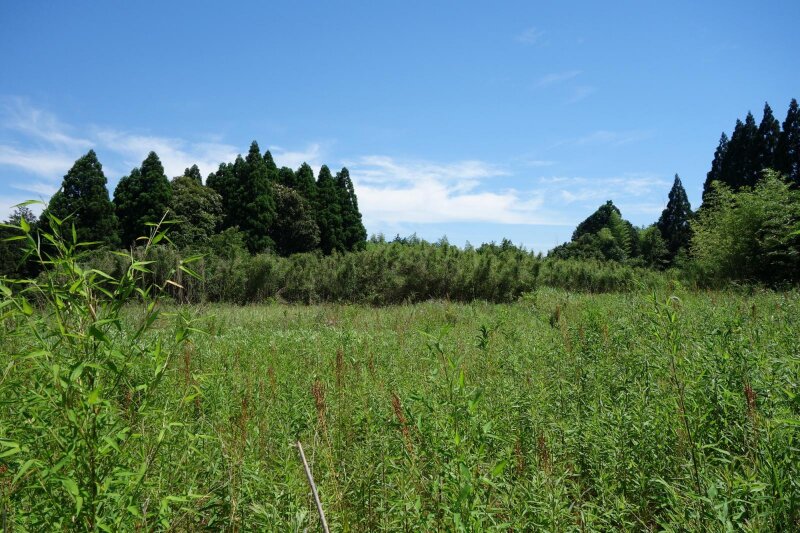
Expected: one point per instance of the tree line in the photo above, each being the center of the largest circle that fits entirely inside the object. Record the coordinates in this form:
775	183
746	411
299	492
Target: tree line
269	232
276	209
746	227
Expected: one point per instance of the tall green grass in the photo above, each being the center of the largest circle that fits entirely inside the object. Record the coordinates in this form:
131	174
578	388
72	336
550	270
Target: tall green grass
560	412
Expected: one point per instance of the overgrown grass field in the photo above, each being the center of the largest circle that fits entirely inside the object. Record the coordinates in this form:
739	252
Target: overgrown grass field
559	412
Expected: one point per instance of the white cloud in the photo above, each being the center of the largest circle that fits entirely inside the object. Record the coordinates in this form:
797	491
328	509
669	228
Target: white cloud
293	159
8	201
627	189
42	189
392	192
556	77
43	162
18	115
581	93
175	154
531	36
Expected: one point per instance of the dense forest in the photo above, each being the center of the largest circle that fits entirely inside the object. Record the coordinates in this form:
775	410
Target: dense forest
265	232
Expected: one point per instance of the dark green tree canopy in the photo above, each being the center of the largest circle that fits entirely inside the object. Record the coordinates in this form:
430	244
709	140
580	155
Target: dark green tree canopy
769	133
142	197
272	168
84	195
604	235
258	205
329	213
304	182
354	235
295	230
717	171
194	173
787	157
14	261
596	221
225	183
197	211
286	177
674	223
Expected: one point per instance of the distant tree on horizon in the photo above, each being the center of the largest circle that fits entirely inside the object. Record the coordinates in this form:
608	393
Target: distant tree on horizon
674	223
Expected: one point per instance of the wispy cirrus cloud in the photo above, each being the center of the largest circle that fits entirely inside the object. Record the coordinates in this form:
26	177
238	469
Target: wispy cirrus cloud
531	36
176	154
311	154
580	93
555	78
632	192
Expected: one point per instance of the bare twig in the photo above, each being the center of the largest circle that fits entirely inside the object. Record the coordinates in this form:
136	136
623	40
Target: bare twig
313	489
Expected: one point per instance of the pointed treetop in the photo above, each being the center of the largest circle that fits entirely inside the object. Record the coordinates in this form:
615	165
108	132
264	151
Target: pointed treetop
674	221
787	157
194	173
84	195
270	162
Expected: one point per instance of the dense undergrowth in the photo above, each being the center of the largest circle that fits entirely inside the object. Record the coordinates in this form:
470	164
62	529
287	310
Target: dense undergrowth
384	274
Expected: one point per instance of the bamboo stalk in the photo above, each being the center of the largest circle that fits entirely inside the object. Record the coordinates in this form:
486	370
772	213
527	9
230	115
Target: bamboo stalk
313	489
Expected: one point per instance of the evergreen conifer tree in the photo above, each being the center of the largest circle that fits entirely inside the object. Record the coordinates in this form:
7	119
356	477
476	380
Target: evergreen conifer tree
329	213
141	197
674	222
742	168
286	177
84	195
194	173
718	166
769	132
224	182
787	160
256	203
354	235
304	182
272	168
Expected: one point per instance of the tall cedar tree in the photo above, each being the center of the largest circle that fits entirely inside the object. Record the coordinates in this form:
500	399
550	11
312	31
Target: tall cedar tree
257	203
294	229
787	159
305	184
741	168
329	213
224	182
769	134
84	195
286	177
143	196
354	235
718	167
674	222
194	173
272	168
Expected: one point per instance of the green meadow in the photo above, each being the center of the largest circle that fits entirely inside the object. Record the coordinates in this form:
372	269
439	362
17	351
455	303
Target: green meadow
638	411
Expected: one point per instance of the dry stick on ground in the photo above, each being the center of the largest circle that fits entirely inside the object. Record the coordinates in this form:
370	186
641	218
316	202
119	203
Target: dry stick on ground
313	489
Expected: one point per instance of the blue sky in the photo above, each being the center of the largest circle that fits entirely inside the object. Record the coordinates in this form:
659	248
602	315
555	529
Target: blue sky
478	120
